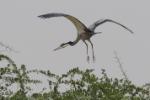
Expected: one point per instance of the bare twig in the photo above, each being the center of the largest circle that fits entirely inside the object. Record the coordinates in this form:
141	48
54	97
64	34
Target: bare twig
2	57
7	47
120	65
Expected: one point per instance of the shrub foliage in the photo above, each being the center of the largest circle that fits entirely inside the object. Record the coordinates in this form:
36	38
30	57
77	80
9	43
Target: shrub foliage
77	85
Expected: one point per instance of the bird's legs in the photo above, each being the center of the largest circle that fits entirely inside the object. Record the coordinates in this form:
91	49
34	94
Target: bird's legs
92	50
88	58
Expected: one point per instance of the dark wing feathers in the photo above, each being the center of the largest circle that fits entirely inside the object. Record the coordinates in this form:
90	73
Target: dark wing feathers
52	15
78	24
99	22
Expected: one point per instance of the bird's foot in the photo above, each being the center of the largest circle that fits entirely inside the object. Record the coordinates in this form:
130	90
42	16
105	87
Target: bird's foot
94	59
88	59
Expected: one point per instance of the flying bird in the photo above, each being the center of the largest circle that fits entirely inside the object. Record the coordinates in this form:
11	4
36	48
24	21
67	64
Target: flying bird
83	33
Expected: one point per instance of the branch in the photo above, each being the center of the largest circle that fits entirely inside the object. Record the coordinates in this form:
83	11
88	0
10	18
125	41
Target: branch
2	57
7	47
120	65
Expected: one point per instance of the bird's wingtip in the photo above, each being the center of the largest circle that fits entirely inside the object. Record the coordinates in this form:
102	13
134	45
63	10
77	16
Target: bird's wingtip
131	32
40	16
43	16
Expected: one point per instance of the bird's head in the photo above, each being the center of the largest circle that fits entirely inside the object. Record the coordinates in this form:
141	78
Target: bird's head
63	45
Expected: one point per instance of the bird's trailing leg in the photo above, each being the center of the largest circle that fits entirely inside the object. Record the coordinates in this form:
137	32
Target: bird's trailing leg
92	50
88	58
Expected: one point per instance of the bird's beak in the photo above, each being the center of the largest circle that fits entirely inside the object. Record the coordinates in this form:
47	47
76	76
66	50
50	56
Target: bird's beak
57	48
61	47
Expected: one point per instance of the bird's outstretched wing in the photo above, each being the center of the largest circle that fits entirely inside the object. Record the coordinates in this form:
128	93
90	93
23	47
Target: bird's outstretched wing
78	24
99	22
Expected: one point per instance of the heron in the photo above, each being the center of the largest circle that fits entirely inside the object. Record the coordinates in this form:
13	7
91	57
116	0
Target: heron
83	33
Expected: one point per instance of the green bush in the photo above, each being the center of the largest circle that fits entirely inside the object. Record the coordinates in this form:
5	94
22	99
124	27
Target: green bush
83	85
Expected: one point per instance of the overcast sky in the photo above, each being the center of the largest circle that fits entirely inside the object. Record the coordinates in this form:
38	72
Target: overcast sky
35	38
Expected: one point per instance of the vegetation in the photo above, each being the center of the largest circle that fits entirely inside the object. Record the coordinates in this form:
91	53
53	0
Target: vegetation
78	84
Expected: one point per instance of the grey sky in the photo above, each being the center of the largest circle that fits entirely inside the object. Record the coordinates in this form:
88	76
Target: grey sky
36	38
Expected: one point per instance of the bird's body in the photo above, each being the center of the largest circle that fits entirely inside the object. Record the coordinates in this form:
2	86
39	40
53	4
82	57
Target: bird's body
83	33
85	36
